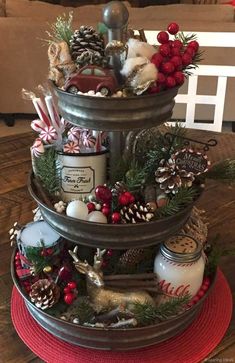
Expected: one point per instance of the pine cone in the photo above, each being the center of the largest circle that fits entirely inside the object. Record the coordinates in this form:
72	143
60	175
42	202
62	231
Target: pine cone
87	46
44	293
171	178
135	213
131	257
119	187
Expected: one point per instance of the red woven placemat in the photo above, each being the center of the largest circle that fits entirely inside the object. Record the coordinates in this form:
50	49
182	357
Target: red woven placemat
192	346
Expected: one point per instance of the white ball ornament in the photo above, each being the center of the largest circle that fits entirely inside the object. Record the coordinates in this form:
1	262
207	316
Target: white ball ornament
97	217
77	209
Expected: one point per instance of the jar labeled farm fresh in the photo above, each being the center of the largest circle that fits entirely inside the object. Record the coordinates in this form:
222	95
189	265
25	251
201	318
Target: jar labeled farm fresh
179	266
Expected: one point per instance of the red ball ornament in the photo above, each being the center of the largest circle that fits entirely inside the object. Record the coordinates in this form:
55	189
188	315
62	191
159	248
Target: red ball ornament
116	217
91	207
103	194
179	77
157	59
186	59
44	252
194	44
161	79
177	61
130	196
68	298
167	67
173	28
105	211
177	44
72	285
165	50
163	37
49	251
170	82
123	199
67	290
110	253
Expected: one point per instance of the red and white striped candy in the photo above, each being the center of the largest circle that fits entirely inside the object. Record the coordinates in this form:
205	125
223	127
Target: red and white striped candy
74	134
71	147
38	125
88	139
48	135
38	148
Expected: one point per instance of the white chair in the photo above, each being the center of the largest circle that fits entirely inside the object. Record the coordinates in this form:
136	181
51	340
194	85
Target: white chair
191	99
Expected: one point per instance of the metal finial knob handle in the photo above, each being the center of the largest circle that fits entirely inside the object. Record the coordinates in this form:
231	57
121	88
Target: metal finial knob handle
115	17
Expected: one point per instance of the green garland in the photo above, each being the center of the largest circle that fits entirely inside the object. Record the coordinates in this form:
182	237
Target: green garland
61	30
147	314
224	171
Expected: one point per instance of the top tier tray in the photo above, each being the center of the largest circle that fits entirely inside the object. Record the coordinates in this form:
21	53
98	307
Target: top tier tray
116	113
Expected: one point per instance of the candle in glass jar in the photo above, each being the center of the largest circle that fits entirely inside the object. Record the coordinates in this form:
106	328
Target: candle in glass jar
179	266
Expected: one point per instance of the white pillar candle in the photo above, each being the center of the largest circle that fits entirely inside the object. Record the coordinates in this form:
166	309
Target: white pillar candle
35	232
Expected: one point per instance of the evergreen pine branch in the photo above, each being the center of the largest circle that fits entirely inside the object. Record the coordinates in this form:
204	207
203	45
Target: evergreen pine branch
146	313
135	177
183	197
45	166
185	39
224	171
61	30
84	311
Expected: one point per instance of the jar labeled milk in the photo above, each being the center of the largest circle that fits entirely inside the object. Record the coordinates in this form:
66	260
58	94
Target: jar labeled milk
179	266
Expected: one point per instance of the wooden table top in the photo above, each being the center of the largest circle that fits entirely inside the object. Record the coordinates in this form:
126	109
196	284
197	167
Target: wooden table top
16	205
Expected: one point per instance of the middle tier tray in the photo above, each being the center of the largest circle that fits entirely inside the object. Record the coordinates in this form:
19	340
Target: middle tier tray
116	236
116	113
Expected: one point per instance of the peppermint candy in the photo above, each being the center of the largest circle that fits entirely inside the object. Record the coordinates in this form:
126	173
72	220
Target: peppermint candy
71	147
88	139
48	134
38	148
38	125
74	134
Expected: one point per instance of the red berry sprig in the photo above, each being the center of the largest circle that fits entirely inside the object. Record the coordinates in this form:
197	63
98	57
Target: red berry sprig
70	292
172	59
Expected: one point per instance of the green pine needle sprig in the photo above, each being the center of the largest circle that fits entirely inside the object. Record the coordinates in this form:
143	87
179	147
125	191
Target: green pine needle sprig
183	197
224	171
45	167
62	29
146	313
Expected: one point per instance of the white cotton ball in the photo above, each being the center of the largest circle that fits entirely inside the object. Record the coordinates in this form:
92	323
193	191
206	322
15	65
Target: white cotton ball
148	73
97	217
77	209
91	93
139	49
131	63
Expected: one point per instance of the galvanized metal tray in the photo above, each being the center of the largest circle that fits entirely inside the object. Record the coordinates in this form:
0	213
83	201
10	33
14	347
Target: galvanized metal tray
112	339
116	236
116	114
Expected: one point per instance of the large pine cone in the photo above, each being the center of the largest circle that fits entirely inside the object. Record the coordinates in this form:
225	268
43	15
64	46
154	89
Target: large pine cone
87	46
170	178
135	213
44	293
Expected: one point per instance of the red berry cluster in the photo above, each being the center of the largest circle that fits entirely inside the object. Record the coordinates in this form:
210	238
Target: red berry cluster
201	292
45	252
105	198
171	59
70	292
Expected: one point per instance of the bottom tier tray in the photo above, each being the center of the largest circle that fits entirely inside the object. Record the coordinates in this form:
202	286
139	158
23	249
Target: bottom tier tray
110	338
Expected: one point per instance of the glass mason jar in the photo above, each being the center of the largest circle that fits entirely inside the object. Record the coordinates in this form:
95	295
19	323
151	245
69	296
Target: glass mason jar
179	266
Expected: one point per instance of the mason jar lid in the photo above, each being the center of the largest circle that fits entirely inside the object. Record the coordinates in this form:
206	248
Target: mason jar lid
181	248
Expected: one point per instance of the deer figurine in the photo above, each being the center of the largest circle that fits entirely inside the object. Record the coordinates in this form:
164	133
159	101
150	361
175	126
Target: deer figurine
102	298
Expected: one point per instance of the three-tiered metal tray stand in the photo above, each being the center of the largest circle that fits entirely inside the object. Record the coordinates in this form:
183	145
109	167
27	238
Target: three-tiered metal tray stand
119	117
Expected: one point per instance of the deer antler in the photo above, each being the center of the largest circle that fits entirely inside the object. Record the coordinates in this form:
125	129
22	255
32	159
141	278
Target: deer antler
98	259
79	265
